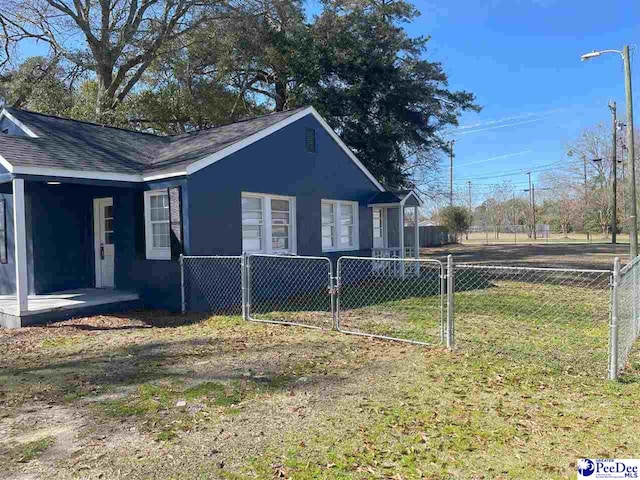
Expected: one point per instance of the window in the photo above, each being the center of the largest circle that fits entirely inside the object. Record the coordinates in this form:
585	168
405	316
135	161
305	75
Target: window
310	139
156	214
268	223
339	225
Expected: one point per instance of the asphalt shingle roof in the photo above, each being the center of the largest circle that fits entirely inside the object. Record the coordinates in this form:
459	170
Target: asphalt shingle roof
71	144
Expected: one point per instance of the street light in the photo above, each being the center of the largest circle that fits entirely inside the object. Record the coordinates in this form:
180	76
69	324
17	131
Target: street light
633	226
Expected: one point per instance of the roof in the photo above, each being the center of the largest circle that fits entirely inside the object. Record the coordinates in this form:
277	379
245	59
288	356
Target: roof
393	197
77	145
63	147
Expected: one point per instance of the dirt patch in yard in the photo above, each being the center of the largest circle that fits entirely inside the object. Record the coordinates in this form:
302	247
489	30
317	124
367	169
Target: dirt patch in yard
586	256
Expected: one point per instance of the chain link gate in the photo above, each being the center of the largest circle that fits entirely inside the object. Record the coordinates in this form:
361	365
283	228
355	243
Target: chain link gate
290	290
397	299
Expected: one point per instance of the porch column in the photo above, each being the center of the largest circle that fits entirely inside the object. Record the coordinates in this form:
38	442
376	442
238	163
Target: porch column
20	245
416	233
401	231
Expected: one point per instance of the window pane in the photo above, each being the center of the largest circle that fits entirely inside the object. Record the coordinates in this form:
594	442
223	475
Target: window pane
327	236
346	214
346	236
280	218
251	238
251	218
280	237
250	203
160	232
108	238
159	204
280	206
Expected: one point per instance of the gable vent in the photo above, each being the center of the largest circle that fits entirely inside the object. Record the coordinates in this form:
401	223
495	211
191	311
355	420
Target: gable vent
310	139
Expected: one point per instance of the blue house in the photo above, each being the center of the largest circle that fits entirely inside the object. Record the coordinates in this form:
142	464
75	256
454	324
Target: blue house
94	218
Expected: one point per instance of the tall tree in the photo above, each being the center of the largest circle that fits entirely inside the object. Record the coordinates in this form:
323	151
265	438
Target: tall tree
388	103
116	40
37	84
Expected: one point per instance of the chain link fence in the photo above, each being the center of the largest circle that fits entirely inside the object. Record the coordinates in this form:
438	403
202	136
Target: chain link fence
290	290
570	319
212	284
395	299
555	317
624	318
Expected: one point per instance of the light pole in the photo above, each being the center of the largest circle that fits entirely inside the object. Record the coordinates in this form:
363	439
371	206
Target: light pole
633	226
614	174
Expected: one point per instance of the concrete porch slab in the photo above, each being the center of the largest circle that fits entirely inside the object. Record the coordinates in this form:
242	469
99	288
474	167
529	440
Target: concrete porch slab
64	305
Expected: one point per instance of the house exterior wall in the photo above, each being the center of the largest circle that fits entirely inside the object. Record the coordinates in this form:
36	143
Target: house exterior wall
278	164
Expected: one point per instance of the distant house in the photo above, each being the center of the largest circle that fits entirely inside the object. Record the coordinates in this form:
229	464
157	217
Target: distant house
94	218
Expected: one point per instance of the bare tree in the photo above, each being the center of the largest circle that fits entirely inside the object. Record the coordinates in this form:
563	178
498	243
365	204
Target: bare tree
116	40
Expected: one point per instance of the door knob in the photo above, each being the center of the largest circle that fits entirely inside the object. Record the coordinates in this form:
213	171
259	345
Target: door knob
102	251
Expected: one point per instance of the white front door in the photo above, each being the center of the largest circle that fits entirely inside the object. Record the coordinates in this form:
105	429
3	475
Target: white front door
103	234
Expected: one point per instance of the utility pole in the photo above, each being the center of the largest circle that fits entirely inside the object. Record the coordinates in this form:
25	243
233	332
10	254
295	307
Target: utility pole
633	225
451	155
533	207
614	173
533	204
470	206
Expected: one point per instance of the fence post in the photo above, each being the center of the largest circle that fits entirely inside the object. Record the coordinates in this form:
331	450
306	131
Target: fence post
443	293
183	300
243	282
613	331
450	304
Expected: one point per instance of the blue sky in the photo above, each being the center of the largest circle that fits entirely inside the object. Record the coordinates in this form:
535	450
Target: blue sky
522	60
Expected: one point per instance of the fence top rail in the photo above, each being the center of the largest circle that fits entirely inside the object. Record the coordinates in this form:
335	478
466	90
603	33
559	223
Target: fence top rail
391	259
288	256
630	265
529	269
212	256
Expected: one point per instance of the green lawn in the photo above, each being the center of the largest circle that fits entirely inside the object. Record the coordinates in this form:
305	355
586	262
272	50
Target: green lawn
523	395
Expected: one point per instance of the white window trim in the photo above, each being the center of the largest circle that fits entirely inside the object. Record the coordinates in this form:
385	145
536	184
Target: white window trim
267	244
338	226
154	253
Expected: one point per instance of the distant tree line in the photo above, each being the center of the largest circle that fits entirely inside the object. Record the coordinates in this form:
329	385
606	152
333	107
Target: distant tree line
574	196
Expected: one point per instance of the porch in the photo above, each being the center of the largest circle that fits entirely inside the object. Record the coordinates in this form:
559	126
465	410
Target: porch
395	221
66	304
